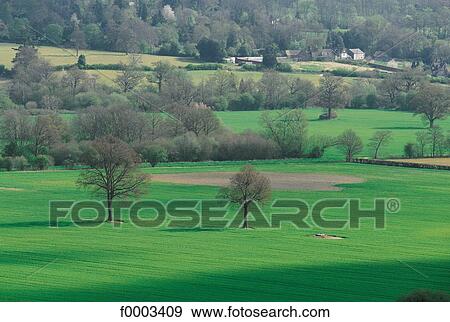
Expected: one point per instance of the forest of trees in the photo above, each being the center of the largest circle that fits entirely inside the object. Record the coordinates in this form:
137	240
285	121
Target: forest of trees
176	27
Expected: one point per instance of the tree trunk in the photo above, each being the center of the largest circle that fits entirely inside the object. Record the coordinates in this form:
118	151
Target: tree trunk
109	205
431	124
245	223
329	113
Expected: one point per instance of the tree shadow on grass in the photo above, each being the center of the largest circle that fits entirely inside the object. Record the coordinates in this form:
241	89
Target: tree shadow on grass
400	128
46	224
342	281
192	230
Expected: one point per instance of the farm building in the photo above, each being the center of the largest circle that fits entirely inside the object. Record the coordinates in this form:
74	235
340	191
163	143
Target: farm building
356	54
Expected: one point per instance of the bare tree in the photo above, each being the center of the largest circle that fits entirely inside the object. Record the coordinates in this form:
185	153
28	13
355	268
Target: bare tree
332	94
287	130
130	76
246	187
433	103
161	72
73	79
349	143
422	142
113	171
46	131
379	140
198	118
437	141
15	127
121	122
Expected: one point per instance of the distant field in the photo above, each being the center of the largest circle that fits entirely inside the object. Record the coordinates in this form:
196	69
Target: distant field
327	66
365	122
58	56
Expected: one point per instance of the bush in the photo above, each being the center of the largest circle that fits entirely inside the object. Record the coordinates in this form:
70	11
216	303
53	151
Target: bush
410	150
4	72
186	148
41	162
244	102
67	154
204	67
87	99
426	296
19	163
245	146
6	164
284	68
251	67
5	101
154	154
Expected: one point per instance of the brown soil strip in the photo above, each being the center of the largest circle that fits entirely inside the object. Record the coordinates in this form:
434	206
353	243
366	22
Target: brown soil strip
280	181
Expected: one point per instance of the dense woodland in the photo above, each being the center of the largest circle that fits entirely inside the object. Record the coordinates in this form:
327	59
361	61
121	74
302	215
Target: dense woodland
175	27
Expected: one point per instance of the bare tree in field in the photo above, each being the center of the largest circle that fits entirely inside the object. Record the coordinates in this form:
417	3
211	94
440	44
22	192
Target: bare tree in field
332	94
246	187
433	103
161	72
130	76
198	118
379	140
15	127
349	143
113	171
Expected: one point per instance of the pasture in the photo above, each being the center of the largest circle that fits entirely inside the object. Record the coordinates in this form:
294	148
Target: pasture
403	125
138	264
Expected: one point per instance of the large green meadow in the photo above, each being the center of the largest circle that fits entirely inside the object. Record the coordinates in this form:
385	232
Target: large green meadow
403	125
138	264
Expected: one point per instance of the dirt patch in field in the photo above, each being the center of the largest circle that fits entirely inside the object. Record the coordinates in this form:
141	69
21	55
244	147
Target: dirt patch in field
10	189
280	181
432	161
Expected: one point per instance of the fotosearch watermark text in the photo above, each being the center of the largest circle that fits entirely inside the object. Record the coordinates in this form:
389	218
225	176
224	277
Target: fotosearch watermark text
337	213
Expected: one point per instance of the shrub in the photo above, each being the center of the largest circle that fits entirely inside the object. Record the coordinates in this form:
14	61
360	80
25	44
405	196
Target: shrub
204	67
41	162
186	148
410	150
67	154
245	146
5	101
6	164
284	68
154	154
251	67
244	102
87	99
19	163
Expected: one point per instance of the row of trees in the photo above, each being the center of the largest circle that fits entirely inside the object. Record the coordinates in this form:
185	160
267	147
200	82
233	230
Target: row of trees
176	27
194	135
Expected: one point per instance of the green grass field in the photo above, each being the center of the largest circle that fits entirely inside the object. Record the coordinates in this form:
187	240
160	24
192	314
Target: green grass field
132	264
364	122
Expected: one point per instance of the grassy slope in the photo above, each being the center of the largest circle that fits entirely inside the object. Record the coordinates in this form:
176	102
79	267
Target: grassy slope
364	122
70	263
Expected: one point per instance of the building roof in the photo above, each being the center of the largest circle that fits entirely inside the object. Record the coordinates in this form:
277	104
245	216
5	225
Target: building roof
356	51
293	52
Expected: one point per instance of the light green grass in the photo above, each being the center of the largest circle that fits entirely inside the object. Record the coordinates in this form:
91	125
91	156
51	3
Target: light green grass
59	56
364	122
132	264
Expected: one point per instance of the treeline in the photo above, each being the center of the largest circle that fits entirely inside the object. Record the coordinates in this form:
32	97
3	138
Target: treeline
177	27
